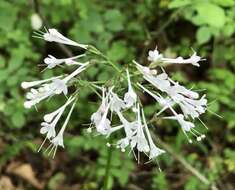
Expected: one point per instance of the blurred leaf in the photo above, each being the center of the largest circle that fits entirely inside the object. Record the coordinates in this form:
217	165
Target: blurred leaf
203	34
18	119
159	181
7	16
179	3
211	14
118	51
114	20
225	3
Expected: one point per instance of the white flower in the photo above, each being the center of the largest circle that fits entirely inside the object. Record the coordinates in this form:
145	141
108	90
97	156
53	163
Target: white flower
128	126
49	129
154	55
194	59
26	85
187	99
58	140
51	120
116	103
177	88
139	140
154	150
56	86
33	97
130	97
145	70
36	21
130	130
186	126
103	126
165	103
96	117
52	62
100	117
162	101
76	72
160	81
52	35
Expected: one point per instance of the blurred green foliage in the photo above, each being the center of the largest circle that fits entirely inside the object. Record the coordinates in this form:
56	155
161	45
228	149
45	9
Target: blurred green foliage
124	30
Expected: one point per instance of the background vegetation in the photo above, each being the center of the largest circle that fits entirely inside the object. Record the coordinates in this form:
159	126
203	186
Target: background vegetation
125	30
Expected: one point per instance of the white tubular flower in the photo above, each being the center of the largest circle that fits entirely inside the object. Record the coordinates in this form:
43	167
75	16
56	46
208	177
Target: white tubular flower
129	128
194	59
177	88
139	140
58	140
76	72
51	120
52	35
117	104
160	81
187	100
96	117
33	97
154	56
52	62
154	150
57	86
26	85
186	126
190	107
130	97
103	127
165	103
145	70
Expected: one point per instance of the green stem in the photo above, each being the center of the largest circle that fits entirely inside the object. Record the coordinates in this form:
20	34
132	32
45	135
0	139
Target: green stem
107	169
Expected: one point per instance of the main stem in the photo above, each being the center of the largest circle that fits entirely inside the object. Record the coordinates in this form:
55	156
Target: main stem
107	169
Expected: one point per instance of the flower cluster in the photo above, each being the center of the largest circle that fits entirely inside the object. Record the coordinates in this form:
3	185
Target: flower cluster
168	94
137	135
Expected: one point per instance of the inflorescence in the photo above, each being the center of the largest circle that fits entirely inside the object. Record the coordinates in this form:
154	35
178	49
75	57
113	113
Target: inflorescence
167	93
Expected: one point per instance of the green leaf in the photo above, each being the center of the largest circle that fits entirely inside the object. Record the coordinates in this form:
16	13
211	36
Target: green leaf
211	14
224	3
203	34
118	51
229	29
114	20
159	181
2	62
18	119
7	16
179	3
